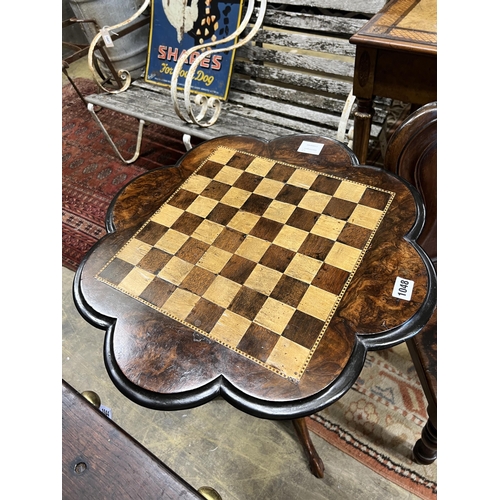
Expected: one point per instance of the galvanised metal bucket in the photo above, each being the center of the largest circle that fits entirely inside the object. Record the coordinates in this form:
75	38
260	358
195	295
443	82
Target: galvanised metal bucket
130	51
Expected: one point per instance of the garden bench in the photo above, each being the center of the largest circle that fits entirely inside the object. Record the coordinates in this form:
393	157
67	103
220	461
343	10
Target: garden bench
294	76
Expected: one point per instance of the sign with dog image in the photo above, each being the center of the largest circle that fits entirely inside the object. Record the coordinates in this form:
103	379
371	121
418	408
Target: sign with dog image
179	25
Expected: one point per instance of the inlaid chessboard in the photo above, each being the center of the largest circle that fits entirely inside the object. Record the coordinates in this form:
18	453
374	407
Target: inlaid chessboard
252	253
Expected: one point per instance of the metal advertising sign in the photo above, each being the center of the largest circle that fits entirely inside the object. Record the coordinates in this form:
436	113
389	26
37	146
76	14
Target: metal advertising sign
179	25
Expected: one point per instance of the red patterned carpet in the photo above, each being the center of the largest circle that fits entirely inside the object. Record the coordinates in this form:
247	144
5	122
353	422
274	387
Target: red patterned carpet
92	173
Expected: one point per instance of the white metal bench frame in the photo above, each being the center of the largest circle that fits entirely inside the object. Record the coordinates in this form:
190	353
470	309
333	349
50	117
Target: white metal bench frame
199	123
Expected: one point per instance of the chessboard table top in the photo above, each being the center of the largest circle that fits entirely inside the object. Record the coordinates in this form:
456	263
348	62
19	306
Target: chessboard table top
257	271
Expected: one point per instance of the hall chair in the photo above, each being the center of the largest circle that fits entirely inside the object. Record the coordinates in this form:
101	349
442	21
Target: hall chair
412	154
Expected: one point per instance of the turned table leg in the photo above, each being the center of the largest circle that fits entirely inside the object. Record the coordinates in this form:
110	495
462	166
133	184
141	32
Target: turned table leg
362	127
425	449
315	462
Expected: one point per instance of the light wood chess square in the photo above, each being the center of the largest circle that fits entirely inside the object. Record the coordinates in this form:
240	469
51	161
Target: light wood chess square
350	191
269	188
228	175
136	281
196	184
343	256
167	215
263	279
243	222
260	166
253	248
303	178
175	270
317	303
274	315
366	217
208	231
171	241
290	237
288	357
134	251
214	259
314	201
180	303
303	268
202	206
279	211
230	328
235	197
222	291
222	155
328	227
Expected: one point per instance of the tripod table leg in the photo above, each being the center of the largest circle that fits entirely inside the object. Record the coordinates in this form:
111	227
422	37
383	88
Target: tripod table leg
315	462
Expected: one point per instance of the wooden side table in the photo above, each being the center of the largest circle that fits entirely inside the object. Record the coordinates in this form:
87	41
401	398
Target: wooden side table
258	271
396	57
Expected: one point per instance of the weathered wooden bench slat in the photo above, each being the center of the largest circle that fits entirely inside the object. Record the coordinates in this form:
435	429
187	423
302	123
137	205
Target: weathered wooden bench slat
302	41
320	23
266	91
280	112
305	100
283	94
287	76
362	6
272	122
297	60
242	119
147	106
311	99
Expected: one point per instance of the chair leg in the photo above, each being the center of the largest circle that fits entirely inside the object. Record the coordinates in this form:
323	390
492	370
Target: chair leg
425	449
315	462
362	127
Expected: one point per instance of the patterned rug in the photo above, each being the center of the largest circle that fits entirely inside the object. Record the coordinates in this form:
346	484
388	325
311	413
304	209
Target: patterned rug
379	419
92	173
376	422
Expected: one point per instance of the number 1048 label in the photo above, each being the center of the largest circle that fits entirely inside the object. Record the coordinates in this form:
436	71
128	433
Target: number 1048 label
403	288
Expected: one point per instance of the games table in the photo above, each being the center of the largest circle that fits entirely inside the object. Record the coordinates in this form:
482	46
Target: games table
258	271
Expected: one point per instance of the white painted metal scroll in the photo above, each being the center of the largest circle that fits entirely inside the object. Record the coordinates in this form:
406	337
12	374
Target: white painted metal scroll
205	103
342	135
104	34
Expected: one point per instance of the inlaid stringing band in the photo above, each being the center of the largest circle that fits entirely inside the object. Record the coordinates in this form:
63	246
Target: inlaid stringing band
253	253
